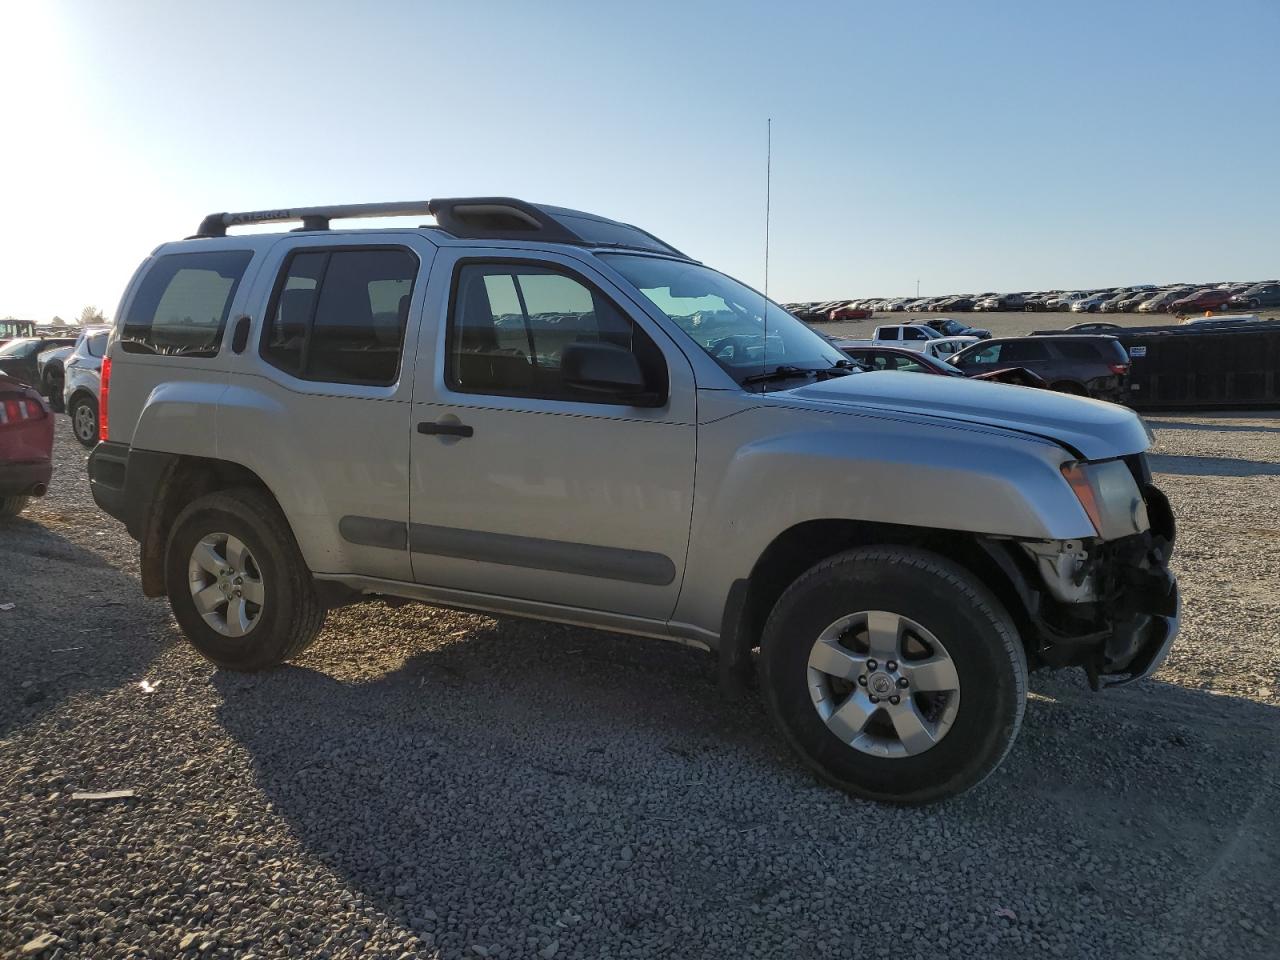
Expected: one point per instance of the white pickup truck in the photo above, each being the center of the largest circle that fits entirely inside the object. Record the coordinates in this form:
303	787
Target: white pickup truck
913	336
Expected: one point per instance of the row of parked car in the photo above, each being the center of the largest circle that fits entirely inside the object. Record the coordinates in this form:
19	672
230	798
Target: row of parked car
65	370
1143	298
1085	365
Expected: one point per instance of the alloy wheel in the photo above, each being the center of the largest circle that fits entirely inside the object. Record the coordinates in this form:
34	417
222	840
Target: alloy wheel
84	423
226	584
883	684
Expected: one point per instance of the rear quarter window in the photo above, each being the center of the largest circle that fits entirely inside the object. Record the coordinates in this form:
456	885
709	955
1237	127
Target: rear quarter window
1027	350
1078	349
181	306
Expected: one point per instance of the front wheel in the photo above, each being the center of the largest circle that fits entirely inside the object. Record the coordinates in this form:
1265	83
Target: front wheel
894	674
237	583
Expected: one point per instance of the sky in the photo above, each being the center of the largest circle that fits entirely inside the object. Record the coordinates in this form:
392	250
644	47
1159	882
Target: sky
963	146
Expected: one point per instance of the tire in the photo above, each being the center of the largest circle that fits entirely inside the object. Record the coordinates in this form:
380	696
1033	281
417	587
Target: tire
84	419
289	615
925	592
12	506
52	389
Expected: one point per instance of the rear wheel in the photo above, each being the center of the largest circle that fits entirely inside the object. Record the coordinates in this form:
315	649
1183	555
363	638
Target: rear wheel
894	674
84	419
237	583
12	506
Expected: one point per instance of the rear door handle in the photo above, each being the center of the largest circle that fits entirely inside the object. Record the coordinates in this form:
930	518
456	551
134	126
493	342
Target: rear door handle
446	429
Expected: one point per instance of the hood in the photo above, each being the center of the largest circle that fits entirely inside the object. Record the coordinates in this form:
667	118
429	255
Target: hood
1095	429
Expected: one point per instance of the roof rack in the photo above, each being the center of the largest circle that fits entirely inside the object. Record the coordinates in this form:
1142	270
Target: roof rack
471	218
313	218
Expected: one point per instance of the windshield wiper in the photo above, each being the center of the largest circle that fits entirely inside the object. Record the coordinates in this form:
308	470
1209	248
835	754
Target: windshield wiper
785	372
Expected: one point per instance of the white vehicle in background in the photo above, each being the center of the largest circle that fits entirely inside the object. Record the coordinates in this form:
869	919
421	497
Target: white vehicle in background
82	382
49	374
1091	304
1064	301
944	347
1226	318
913	336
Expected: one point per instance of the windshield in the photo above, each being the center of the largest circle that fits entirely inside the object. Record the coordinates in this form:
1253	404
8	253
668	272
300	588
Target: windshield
727	319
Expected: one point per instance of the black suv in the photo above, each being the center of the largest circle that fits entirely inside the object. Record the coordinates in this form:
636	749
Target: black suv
1258	295
1083	365
954	328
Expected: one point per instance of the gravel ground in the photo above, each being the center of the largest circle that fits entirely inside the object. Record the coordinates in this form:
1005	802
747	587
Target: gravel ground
429	783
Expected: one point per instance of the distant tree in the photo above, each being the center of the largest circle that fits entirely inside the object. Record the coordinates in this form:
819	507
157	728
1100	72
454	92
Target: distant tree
57	321
91	315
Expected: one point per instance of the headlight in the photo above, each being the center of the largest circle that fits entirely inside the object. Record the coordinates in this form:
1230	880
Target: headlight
1110	497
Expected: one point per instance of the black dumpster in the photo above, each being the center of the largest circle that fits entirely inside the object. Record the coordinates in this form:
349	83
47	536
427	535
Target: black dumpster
1203	365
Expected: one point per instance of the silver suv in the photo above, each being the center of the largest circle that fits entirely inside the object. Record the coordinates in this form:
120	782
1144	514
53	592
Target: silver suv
539	412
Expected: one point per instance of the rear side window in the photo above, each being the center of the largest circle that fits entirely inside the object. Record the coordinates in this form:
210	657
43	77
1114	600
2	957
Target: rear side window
181	306
1078	349
339	315
889	333
1023	351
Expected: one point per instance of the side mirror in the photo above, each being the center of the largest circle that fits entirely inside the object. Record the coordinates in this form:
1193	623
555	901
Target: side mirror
607	369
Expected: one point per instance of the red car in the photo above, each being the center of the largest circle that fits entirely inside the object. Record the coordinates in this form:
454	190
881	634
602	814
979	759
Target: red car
848	312
1201	300
26	445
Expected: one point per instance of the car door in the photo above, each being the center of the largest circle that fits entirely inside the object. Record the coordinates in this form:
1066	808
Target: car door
318	400
914	338
524	488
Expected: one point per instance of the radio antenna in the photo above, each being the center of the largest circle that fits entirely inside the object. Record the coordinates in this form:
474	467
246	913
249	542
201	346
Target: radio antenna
768	184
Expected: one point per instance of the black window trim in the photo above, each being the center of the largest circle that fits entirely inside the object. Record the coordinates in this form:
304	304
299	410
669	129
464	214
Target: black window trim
282	277
552	267
133	346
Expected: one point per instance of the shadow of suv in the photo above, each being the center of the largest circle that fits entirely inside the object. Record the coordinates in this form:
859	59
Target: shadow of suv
1087	366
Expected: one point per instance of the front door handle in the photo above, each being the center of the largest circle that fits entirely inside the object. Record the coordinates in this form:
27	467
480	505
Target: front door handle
446	429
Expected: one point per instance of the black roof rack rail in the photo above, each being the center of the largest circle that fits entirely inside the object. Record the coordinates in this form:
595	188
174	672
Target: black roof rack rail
470	218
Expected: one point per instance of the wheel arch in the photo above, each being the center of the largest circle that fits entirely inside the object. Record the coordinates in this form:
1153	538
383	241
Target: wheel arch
1001	569
179	480
1073	386
80	393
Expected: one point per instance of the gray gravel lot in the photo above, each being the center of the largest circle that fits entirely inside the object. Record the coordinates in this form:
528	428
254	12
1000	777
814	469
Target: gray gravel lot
429	783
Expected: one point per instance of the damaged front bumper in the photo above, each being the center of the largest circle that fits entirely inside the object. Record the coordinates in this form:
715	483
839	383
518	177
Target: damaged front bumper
1111	607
